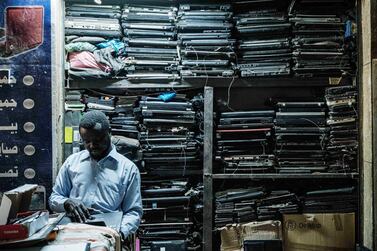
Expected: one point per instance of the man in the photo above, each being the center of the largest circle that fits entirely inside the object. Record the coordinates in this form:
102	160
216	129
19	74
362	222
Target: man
98	178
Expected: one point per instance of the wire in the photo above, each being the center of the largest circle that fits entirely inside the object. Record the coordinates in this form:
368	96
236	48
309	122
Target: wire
183	152
228	98
232	81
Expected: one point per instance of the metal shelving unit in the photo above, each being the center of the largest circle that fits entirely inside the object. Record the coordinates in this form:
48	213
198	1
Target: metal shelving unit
209	177
209	84
207	166
122	83
287	176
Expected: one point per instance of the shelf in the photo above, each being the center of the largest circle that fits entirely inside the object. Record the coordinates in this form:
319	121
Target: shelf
287	176
119	83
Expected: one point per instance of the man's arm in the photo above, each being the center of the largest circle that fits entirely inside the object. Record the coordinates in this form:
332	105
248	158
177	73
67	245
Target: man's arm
132	204
61	190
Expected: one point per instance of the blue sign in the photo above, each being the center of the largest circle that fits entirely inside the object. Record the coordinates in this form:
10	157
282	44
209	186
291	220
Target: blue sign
25	94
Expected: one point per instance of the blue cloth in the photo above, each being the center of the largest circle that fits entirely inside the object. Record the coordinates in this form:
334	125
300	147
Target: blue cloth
109	185
116	44
348	30
167	96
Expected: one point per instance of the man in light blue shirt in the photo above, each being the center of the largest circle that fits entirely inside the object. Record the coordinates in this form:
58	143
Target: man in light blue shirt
98	178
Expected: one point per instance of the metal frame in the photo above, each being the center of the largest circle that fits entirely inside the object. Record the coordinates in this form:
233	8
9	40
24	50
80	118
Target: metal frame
119	83
374	144
373	190
287	176
207	166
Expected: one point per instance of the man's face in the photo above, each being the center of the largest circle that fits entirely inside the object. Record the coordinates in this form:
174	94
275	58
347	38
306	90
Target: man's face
97	143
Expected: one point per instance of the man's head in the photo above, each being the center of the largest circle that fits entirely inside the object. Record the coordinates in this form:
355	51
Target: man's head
95	133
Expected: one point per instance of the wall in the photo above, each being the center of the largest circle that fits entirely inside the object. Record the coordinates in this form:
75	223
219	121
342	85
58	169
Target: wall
368	108
57	29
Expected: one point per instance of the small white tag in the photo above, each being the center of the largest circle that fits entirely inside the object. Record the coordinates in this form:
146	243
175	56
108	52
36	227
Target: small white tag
76	136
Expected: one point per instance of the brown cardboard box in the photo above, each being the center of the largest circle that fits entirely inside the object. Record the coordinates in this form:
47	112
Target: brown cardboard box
14	201
232	236
263	230
319	232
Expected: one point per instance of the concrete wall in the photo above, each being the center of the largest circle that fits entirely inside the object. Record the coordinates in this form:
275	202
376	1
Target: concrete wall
367	126
57	29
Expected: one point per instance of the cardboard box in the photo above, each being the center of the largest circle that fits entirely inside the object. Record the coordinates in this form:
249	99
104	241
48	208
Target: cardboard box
233	236
263	230
14	201
319	232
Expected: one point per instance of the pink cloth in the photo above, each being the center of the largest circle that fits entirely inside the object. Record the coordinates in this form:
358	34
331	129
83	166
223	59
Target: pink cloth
86	59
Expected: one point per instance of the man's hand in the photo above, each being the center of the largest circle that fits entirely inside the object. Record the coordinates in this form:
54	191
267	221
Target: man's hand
77	209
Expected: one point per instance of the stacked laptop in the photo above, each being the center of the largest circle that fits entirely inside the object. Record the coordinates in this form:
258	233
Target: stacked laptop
93	21
257	203
171	140
124	129
159	236
204	35
264	43
244	141
237	205
166	200
150	38
73	101
344	199
343	122
301	135
169	136
277	202
169	209
318	31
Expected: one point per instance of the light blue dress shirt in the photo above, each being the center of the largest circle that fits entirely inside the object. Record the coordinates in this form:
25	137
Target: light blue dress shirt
109	185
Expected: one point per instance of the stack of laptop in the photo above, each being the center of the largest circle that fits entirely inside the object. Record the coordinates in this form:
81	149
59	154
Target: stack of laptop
170	140
237	205
343	199
343	122
318	31
277	202
264	43
73	101
256	203
157	236
166	200
169	136
204	35
93	21
169	210
301	135
244	141
150	38
124	129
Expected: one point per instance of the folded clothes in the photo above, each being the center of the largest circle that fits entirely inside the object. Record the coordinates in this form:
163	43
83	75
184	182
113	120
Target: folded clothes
86	59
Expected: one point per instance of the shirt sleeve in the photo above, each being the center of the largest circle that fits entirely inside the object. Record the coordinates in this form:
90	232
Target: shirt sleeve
61	190
132	205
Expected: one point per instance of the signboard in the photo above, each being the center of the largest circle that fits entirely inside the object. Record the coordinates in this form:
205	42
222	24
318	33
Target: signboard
25	93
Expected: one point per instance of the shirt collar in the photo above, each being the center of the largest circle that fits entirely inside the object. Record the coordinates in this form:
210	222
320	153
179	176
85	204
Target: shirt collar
109	161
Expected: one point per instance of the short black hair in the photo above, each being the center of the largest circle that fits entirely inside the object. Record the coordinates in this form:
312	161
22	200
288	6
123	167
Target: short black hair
95	120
